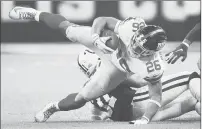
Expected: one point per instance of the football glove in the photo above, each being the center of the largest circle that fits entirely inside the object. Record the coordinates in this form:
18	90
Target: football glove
141	121
180	51
100	42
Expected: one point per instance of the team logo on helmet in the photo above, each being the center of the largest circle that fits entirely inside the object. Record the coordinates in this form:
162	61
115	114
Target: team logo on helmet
147	41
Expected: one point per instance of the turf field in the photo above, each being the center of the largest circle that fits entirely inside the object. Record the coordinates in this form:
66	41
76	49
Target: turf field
34	75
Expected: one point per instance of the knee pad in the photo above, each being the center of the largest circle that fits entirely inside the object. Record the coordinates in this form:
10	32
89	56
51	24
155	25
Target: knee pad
198	108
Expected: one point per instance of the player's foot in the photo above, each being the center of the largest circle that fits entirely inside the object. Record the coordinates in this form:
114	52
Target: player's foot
47	111
23	13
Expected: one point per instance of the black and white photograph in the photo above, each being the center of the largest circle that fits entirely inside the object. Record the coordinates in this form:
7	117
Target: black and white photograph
100	64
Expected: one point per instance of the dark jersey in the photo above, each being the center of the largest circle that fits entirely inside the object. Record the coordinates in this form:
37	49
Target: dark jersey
120	102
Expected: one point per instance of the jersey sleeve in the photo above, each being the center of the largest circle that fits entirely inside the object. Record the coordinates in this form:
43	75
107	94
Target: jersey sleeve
130	22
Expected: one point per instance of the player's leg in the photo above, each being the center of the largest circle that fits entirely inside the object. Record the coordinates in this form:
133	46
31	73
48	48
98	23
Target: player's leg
65	104
198	108
172	87
176	109
106	78
75	33
195	88
194	85
183	103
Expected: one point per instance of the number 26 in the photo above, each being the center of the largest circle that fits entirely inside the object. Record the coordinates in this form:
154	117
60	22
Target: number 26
151	66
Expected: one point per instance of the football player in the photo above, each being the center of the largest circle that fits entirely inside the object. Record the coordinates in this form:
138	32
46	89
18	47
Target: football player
137	53
119	106
181	51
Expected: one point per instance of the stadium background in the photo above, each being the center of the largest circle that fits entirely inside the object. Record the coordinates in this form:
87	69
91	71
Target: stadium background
177	18
38	65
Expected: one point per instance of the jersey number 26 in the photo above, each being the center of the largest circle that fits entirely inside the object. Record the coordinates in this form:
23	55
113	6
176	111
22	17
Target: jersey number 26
153	65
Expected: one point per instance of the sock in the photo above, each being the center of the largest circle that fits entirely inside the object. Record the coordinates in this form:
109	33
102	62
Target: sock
51	20
37	16
56	105
69	103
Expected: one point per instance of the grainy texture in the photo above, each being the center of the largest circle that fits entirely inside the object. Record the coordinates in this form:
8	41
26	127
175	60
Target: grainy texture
34	75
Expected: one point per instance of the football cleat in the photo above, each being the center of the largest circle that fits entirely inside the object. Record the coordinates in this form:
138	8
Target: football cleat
47	111
22	13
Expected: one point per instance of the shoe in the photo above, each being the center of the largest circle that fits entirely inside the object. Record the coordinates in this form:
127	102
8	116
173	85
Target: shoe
22	13
47	111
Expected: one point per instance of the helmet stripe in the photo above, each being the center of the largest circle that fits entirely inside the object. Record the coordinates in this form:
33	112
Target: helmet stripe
153	33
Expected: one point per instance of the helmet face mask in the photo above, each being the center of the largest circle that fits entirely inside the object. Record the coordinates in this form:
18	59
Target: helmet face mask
146	41
136	48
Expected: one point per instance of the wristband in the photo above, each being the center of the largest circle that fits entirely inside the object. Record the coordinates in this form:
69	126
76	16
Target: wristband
95	37
146	118
186	42
154	101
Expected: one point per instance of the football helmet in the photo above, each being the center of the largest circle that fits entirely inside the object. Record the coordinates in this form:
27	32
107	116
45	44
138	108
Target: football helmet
88	62
146	41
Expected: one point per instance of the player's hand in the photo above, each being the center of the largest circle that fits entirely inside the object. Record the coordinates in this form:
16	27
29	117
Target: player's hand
180	51
100	42
140	121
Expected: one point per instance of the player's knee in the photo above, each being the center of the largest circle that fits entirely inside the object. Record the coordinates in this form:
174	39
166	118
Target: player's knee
80	98
194	86
198	108
64	27
188	105
193	76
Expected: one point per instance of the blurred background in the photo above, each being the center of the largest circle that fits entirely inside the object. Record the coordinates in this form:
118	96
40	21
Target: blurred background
177	18
38	65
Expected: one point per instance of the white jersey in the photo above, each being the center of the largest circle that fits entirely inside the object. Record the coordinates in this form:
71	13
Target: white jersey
151	68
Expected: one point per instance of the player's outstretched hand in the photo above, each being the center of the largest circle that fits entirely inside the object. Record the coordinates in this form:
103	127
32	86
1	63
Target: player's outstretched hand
100	43
140	121
180	51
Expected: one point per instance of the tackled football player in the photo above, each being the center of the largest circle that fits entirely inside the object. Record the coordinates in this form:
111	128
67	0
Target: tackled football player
126	103
137	53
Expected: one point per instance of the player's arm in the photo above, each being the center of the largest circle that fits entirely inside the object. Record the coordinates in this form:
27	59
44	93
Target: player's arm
188	40
174	110
155	93
99	24
181	50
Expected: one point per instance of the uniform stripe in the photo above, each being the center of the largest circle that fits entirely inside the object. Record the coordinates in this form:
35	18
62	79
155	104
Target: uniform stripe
166	89
175	79
94	102
166	82
103	100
